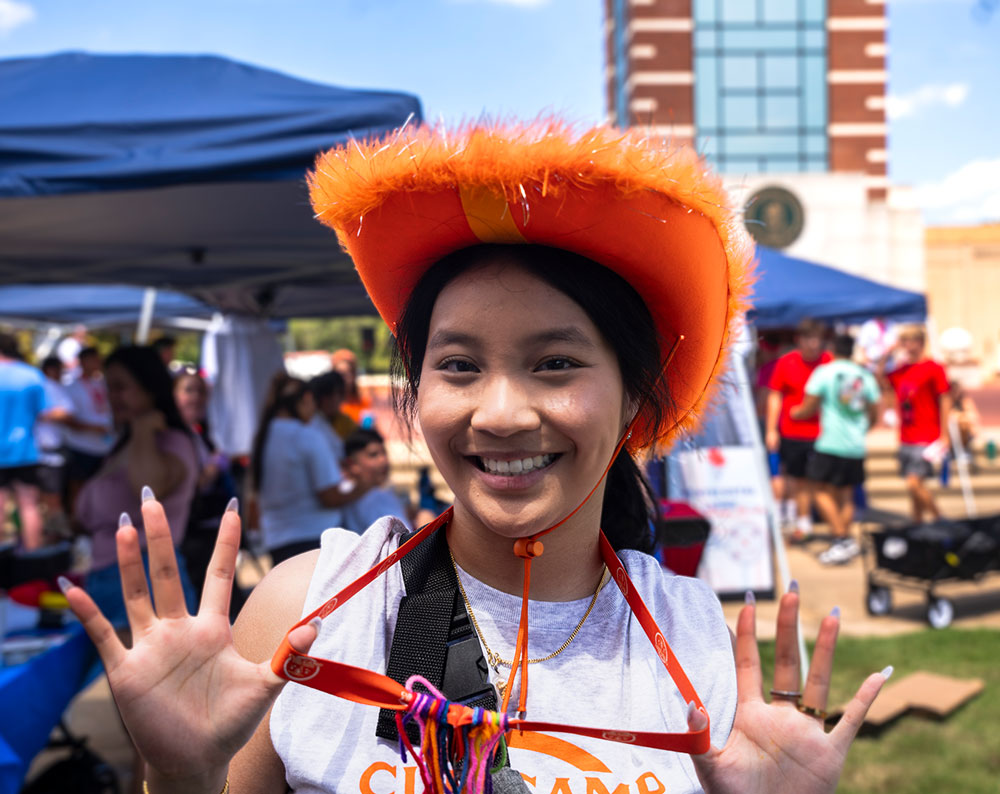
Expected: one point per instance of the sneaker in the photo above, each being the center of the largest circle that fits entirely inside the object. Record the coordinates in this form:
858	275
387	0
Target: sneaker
841	552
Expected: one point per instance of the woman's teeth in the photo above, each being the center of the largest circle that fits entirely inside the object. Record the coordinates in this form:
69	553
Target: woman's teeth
512	467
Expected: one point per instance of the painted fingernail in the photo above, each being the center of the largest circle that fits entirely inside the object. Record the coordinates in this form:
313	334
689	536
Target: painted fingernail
749	598
64	584
147	494
835	613
692	708
124	520
316	623
887	673
793	586
233	506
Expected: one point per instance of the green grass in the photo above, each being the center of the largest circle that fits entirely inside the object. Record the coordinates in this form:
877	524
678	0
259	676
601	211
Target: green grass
916	754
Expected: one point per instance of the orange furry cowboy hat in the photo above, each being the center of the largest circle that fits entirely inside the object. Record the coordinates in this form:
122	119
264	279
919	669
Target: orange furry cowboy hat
650	213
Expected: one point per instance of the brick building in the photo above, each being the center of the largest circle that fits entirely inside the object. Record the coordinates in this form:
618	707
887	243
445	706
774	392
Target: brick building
781	96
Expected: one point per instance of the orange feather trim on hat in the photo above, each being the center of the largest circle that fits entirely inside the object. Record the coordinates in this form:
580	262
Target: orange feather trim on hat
650	212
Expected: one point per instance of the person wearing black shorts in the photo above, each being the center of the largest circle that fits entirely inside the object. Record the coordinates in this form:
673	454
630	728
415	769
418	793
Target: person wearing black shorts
792	438
846	396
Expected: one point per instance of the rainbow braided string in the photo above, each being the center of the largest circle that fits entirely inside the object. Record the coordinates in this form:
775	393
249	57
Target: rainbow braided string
458	744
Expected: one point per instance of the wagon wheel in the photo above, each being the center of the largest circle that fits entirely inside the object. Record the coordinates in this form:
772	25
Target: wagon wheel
879	600
940	612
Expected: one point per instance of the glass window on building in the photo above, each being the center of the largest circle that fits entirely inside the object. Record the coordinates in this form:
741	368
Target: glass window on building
760	84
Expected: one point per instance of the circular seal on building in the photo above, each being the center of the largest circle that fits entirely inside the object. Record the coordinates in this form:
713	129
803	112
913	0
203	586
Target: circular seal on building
774	217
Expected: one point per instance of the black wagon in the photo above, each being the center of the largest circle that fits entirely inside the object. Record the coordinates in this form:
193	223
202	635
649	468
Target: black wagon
922	556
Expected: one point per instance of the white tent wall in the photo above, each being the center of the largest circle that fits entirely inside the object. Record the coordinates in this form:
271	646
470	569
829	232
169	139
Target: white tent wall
239	355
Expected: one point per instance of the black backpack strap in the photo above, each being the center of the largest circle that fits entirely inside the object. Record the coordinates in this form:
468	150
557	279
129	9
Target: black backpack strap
434	637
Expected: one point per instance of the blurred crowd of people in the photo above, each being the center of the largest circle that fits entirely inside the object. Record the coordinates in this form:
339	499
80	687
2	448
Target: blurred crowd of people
82	435
816	403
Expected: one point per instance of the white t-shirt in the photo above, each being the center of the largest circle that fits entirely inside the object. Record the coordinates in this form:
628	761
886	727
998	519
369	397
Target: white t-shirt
49	435
297	464
608	677
334	441
90	405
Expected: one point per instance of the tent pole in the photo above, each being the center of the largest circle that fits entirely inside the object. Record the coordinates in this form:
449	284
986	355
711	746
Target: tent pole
145	316
745	391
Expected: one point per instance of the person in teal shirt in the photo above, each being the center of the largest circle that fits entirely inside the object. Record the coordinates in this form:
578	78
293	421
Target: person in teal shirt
846	396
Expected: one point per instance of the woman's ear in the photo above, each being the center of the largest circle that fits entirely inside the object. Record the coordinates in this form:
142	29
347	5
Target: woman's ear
629	412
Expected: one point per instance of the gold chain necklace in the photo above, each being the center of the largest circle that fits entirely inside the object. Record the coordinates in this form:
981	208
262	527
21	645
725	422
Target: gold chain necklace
494	658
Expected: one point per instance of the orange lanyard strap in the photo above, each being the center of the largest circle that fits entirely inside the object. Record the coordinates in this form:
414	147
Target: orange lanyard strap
370	688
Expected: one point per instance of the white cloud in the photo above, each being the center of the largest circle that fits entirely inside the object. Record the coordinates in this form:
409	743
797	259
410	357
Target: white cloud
13	14
970	194
899	106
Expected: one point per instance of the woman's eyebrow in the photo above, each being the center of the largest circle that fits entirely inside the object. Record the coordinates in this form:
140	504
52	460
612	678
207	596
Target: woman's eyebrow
447	337
568	333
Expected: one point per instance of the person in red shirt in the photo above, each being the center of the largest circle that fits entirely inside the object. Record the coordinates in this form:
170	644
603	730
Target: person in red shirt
923	402
793	439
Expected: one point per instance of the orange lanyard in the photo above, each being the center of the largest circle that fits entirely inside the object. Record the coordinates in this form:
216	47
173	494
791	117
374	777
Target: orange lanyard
365	686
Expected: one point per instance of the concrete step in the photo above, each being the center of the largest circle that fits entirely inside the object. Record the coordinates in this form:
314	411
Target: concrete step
985	484
951	504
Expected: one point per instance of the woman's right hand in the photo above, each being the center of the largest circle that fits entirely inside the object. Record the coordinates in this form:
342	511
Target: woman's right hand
187	697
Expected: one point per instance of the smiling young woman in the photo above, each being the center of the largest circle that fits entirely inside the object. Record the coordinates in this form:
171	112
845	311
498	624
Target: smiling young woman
560	301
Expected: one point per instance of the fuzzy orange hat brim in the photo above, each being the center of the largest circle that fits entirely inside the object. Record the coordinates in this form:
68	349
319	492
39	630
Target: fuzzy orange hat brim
649	212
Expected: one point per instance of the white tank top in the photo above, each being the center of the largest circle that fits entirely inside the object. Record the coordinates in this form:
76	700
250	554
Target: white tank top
608	677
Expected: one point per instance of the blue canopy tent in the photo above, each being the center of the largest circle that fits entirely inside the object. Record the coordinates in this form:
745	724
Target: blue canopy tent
91	305
790	289
185	172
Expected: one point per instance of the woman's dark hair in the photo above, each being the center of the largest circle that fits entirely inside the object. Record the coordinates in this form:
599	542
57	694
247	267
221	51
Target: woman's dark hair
283	394
619	313
843	345
147	369
361	438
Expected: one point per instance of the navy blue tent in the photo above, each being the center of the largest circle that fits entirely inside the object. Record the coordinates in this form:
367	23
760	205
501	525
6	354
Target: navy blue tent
184	172
92	305
790	289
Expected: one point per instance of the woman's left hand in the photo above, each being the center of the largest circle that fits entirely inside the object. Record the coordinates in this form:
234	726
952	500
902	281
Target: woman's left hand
782	746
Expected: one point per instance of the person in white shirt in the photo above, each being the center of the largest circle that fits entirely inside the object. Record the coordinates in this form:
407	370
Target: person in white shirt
296	478
91	435
328	393
49	436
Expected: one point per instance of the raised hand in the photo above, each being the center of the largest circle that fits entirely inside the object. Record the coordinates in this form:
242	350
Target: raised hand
187	697
783	746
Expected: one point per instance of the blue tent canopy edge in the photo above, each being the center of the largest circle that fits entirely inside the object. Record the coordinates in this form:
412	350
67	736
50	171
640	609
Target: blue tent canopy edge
77	122
789	290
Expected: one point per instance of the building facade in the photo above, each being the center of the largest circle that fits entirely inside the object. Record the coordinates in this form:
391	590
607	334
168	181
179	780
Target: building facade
963	280
760	86
786	99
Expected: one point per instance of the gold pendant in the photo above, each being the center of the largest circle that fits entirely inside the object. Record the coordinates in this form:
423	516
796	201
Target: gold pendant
501	686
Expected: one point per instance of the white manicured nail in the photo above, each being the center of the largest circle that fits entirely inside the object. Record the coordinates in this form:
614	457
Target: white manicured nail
124	520
835	613
692	708
793	586
64	584
749	598
233	506
887	673
147	494
316	623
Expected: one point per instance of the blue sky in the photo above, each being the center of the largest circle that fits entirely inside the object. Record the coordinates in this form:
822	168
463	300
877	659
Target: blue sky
464	58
